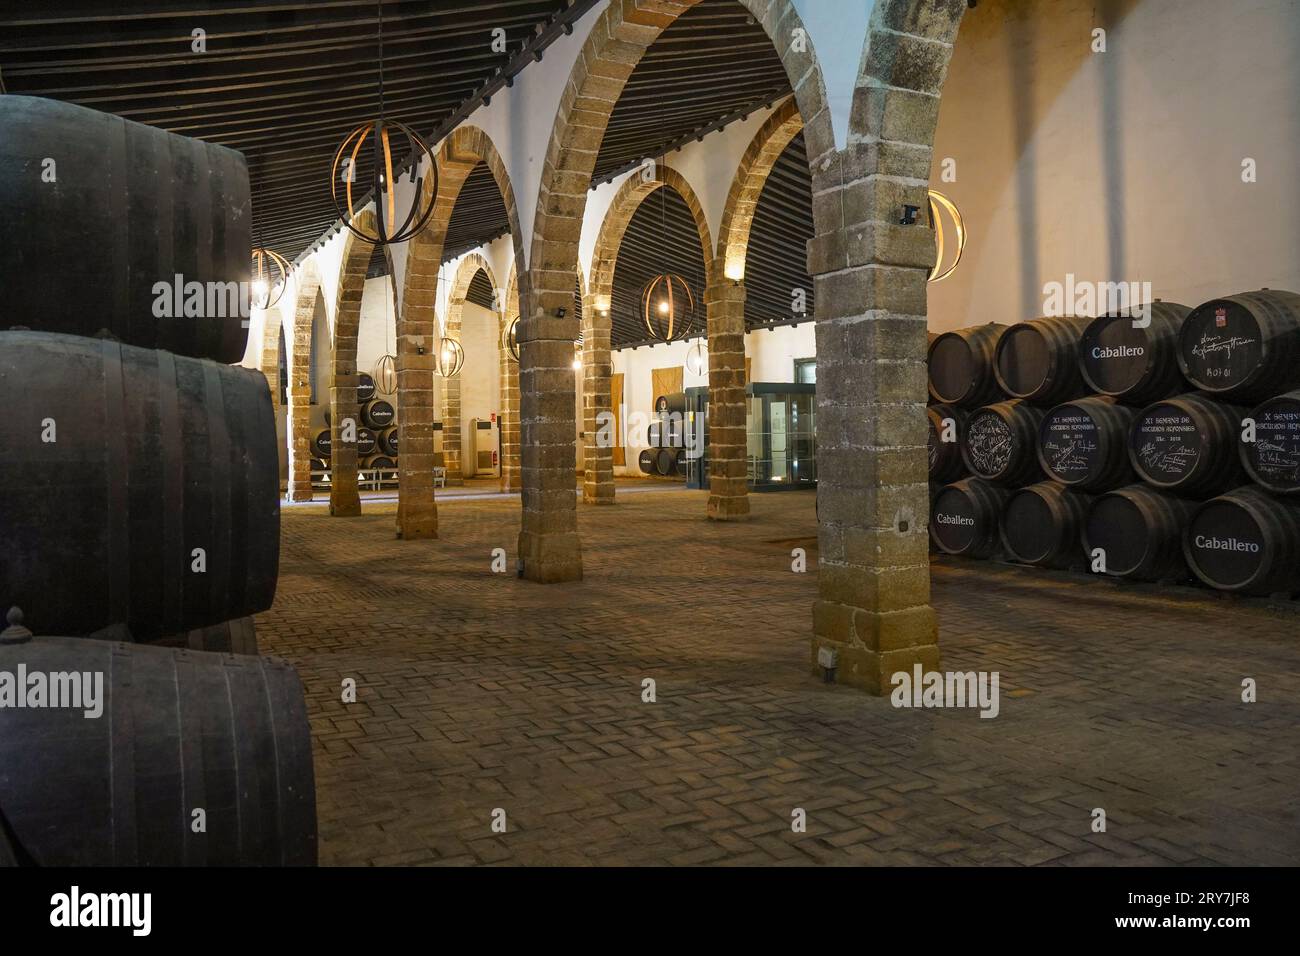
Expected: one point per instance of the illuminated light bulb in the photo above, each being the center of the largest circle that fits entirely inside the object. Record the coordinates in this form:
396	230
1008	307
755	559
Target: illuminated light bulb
663	307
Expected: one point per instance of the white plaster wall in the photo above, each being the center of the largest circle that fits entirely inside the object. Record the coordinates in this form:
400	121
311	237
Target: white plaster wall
480	379
1123	165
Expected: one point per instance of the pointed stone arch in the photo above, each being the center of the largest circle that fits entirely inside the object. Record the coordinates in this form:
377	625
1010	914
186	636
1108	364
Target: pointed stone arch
548	542
417	327
298	426
597	359
469	267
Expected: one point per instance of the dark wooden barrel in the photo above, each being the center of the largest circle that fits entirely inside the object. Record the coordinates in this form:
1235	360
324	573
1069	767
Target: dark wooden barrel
1000	443
180	730
1187	445
1141	532
1038	361
1273	458
1246	540
1138	366
666	461
366	442
1041	525
1245	347
960	366
647	461
1084	444
386	466
377	414
156	456
321	444
946	465
964	518
388	441
674	402
365	388
132	206
320	464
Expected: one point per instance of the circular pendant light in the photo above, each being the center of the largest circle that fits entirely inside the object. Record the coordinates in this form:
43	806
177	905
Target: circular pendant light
385	368
510	338
450	358
382	132
938	200
668	307
697	359
268	277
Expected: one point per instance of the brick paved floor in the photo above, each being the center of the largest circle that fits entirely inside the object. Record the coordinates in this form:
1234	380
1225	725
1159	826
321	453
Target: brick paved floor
480	691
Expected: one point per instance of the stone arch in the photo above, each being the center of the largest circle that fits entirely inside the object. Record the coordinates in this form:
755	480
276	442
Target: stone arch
344	497
869	273
298	426
269	363
548	542
597	360
460	152
728	467
469	267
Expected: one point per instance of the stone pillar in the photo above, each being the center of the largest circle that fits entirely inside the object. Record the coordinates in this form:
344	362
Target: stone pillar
548	541
728	473
597	367
299	429
873	580
417	512
451	434
345	500
510	475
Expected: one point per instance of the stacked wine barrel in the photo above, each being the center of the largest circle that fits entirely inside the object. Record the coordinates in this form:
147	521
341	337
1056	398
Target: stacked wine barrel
667	455
1157	444
139	503
376	437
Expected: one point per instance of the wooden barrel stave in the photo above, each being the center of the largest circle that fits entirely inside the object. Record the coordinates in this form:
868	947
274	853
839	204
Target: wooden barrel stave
1038	361
155	456
960	366
1041	525
1140	532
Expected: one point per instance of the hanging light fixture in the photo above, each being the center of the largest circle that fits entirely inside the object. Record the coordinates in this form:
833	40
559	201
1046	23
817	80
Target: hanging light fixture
938	200
510	338
577	354
697	359
667	303
383	186
385	369
268	278
450	359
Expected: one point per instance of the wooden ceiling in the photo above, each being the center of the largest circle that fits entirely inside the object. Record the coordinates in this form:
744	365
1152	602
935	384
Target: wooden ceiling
284	82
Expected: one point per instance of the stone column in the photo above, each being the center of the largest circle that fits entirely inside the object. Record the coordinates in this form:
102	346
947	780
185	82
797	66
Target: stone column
417	512
451	434
870	276
299	428
345	500
510	476
597	367
548	541
724	301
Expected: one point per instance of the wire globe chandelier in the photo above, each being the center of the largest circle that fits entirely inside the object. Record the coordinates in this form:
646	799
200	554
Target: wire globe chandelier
510	338
667	303
382	132
697	358
268	278
385	369
450	358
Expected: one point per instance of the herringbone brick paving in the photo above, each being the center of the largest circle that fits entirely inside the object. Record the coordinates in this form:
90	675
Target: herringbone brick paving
479	691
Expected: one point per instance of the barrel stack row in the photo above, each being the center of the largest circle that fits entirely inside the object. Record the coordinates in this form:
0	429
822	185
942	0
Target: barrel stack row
139	506
666	457
376	434
1160	443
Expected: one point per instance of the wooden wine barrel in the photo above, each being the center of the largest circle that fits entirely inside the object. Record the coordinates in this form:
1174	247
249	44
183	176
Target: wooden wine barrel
1000	443
1038	361
1246	540
387	440
964	518
1140	531
377	414
155	456
1187	445
946	465
1243	347
648	461
180	730
961	366
666	461
320	464
681	463
366	442
382	464
1273	458
1041	525
132	206
1083	444
365	388
321	444
674	402
1136	365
